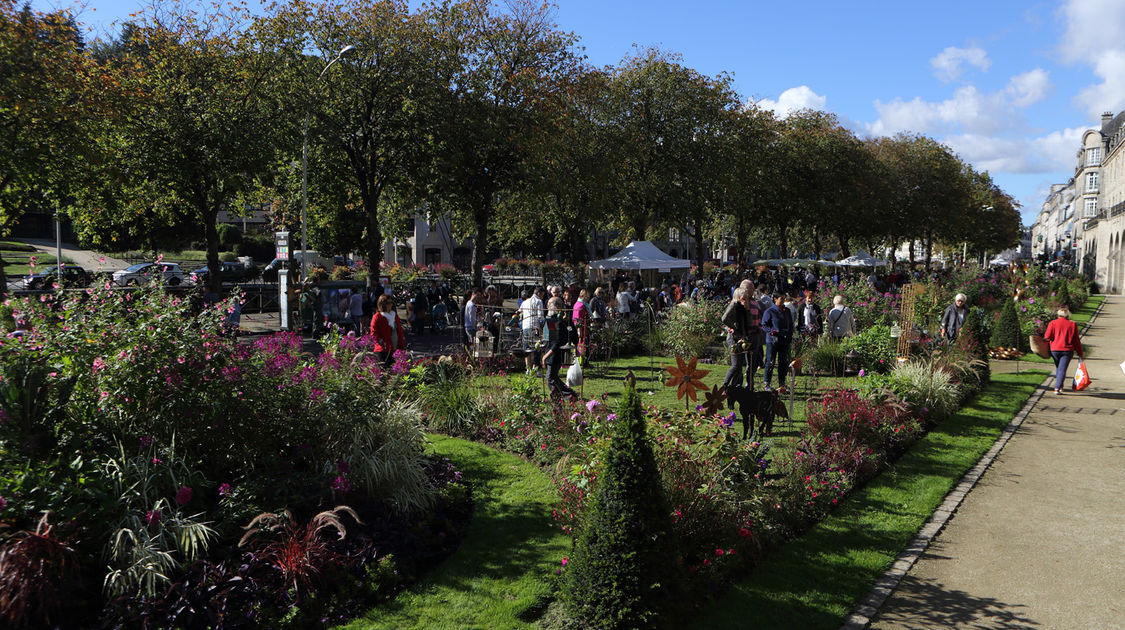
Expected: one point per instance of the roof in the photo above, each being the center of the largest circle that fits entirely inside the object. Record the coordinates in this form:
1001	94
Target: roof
641	255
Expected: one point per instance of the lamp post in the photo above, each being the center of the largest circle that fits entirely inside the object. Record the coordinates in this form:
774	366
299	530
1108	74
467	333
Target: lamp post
305	166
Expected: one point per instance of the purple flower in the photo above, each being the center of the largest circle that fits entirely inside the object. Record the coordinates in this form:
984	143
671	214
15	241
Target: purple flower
316	394
593	404
728	421
862	372
341	484
224	489
575	416
183	497
146	441
3	504
611	417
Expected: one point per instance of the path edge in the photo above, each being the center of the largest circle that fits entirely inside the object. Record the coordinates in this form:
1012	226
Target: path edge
869	606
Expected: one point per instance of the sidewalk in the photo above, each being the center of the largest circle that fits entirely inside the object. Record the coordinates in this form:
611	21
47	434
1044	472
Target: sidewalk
89	260
1037	542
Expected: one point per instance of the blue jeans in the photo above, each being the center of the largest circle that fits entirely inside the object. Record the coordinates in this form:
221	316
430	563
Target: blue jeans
777	353
1062	361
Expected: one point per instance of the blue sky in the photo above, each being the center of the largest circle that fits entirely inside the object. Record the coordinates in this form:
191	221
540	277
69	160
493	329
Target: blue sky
1009	85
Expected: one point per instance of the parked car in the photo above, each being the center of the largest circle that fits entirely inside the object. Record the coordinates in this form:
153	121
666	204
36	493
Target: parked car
72	276
228	272
143	273
269	272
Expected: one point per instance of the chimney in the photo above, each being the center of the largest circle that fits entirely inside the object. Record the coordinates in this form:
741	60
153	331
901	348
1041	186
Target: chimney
1106	118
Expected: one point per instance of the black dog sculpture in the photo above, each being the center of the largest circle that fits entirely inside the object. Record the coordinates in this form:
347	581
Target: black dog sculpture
762	405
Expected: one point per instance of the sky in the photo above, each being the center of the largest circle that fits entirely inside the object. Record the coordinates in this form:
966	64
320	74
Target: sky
1009	85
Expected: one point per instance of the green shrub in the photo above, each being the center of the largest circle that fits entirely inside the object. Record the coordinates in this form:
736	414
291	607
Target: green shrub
1006	333
828	356
229	235
692	327
620	575
926	386
875	347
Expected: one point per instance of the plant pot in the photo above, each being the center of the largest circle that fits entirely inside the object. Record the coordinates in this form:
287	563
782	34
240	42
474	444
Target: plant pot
1039	346
796	365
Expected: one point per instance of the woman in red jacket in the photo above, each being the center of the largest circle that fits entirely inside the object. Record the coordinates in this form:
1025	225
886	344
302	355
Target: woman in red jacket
1063	336
386	327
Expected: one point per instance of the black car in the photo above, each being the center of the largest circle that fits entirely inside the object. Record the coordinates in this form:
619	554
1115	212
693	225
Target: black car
72	276
228	272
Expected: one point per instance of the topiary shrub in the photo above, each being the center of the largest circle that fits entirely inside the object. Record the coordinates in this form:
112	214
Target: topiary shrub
620	575
229	236
1006	333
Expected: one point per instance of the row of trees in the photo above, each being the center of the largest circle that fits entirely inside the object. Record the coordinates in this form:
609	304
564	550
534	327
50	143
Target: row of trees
490	117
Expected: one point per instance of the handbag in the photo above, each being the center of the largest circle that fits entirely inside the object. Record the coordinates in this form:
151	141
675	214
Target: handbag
1081	377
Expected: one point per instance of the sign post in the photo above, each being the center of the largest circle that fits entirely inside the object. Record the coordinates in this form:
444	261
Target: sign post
282	239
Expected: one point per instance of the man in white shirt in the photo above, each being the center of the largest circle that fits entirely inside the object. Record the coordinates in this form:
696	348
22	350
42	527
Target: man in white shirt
470	318
355	306
531	324
624	301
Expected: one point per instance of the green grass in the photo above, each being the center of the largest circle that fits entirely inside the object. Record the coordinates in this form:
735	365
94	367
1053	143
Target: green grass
19	265
15	246
816	580
501	575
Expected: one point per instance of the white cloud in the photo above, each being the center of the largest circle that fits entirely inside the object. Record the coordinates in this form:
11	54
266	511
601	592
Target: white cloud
1095	35
1049	153
948	64
1028	88
794	99
967	110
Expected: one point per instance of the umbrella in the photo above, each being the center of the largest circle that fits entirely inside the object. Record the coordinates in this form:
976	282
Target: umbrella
861	259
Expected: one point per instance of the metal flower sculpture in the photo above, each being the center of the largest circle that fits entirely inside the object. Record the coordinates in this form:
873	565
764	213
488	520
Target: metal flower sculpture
714	399
685	378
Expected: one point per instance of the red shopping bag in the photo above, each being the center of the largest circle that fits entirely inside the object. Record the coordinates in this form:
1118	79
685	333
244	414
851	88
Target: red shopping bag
1081	377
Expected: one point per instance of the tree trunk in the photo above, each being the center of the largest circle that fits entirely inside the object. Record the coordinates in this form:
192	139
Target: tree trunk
929	249
480	244
783	240
210	215
911	253
699	244
374	245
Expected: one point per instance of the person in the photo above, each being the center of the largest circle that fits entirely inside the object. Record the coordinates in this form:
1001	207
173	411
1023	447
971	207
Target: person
386	328
555	338
599	313
841	321
580	317
438	316
531	323
624	302
1063	336
343	310
778	326
811	316
306	311
470	317
953	319
736	321
355	309
419	309
492	315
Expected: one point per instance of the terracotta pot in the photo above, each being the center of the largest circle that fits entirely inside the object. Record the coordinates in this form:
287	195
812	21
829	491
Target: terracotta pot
1039	346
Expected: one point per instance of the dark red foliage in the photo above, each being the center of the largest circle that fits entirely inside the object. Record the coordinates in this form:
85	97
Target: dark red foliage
38	570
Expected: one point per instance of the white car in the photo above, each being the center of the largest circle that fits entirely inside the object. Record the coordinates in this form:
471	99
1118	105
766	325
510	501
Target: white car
143	273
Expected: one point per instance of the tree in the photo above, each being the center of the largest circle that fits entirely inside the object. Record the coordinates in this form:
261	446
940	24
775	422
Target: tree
1006	332
49	91
620	575
508	78
748	185
203	119
371	119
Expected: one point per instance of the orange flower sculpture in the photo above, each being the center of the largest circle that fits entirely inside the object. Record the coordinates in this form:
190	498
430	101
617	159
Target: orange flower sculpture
685	378
713	400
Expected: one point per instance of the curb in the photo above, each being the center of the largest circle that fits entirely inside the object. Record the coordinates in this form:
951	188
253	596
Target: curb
869	606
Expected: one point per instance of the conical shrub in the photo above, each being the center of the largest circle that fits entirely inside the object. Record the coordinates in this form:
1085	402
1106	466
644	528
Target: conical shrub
621	572
1006	333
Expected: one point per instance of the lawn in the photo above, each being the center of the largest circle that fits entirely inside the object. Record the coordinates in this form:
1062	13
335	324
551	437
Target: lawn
815	581
502	574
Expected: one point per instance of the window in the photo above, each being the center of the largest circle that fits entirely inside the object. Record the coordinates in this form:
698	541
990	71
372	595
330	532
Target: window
1091	209
1093	156
1092	182
433	256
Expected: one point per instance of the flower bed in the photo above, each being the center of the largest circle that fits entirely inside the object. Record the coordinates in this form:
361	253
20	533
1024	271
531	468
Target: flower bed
143	442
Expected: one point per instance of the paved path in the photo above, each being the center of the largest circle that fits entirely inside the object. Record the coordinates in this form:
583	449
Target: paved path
1038	543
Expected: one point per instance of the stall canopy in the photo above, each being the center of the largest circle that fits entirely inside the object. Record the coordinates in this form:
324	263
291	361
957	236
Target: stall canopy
861	259
641	255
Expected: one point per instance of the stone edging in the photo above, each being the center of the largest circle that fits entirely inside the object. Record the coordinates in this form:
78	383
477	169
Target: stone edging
885	585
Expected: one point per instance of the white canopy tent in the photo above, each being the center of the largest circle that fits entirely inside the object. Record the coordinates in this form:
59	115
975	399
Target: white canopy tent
642	255
861	259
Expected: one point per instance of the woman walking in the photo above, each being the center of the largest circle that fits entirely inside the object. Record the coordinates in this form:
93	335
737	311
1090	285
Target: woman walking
1063	337
386	327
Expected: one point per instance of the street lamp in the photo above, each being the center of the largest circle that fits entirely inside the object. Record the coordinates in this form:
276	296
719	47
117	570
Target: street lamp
305	167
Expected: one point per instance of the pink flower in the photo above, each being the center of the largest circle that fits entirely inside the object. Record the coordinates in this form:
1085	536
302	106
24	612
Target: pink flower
146	441
341	484
157	461
183	496
564	561
575	416
862	372
4	504
224	489
153	517
593	404
611	417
